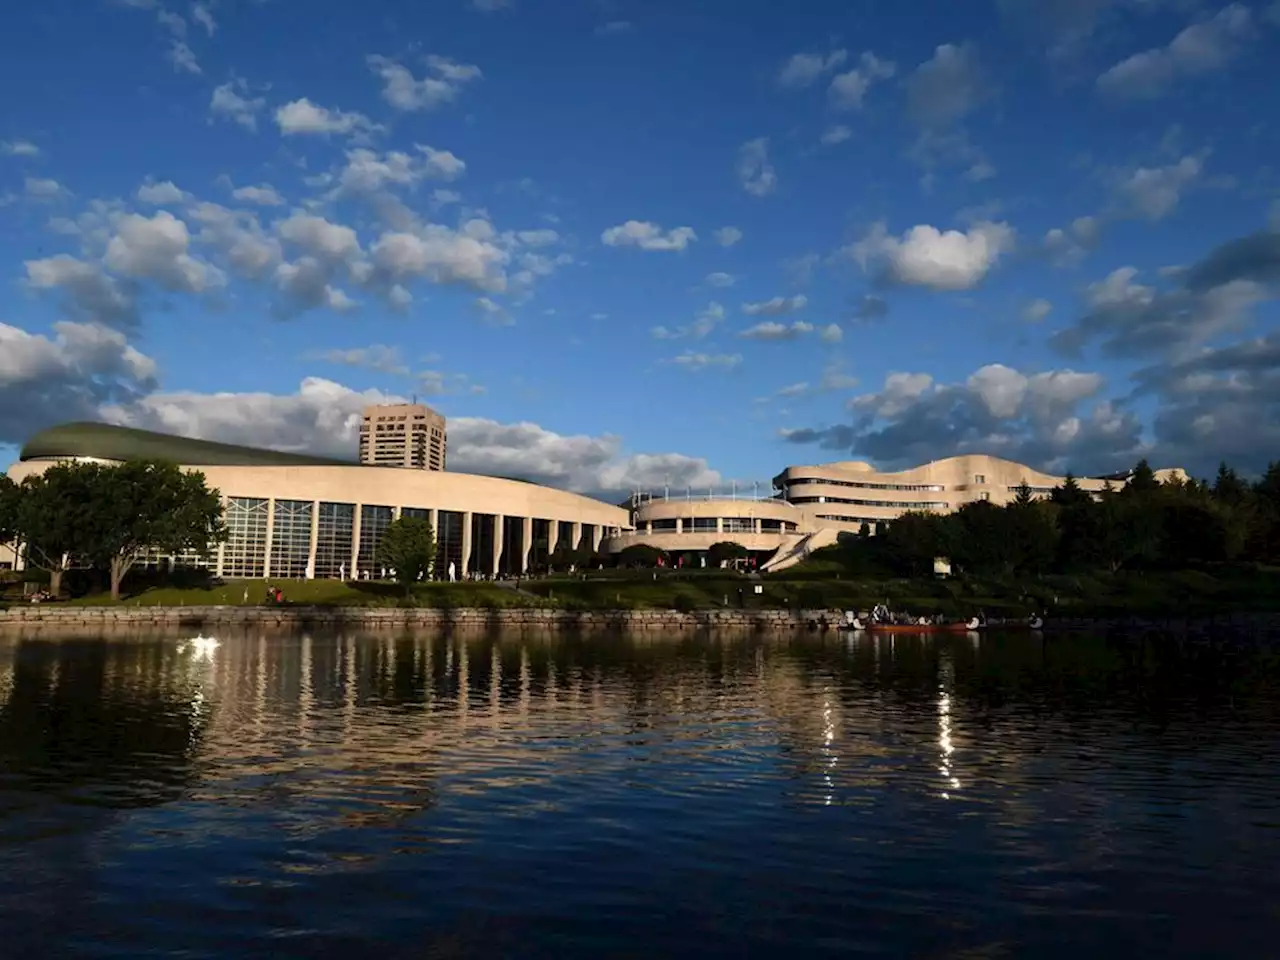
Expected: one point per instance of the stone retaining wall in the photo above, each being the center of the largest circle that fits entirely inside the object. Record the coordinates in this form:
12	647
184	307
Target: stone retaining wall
56	615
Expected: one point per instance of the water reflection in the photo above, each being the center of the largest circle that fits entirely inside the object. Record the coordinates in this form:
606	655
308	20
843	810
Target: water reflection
566	796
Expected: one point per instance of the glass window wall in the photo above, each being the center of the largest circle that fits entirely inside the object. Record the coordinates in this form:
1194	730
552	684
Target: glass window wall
291	539
245	554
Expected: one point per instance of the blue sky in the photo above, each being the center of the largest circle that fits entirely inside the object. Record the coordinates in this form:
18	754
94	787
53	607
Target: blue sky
621	244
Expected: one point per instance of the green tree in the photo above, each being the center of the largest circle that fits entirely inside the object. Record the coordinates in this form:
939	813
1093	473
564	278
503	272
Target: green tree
723	551
1024	495
640	555
1142	481
864	530
1228	488
9	496
149	504
53	518
913	540
408	547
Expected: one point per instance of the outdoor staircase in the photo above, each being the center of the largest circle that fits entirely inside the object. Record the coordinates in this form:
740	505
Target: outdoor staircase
788	556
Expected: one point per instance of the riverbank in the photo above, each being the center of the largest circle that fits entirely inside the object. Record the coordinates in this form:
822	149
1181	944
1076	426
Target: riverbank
68	616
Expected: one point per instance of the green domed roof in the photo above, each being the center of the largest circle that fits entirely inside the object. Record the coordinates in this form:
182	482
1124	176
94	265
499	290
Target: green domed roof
107	442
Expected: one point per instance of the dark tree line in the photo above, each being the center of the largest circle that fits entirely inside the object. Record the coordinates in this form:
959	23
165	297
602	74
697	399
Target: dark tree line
1143	525
105	517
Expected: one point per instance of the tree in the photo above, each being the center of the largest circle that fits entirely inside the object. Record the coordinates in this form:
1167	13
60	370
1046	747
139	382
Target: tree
149	504
1142	481
9	493
1228	488
408	547
53	518
724	551
914	540
864	530
640	555
1025	496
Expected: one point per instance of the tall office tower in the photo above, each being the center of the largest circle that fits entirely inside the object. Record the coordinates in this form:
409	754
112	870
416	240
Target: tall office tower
402	435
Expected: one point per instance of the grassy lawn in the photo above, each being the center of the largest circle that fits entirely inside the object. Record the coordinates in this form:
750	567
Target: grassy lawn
819	584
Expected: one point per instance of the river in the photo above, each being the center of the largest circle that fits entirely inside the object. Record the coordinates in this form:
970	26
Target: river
352	795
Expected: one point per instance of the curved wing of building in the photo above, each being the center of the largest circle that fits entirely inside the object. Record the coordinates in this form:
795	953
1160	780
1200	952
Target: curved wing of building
293	516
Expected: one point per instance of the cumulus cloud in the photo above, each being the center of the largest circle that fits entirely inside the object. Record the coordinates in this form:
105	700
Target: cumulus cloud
773	331
263	195
19	148
802	69
233	101
947	87
1127	318
754	170
848	89
323	417
1067	246
376	356
869	307
161	194
836	133
320	237
648	236
1052	420
238	239
727	236
1037	310
44	188
708	318
155	249
302	117
1200	49
1154	192
469	256
693	361
928	257
182	58
719	279
775	306
443	83
47	380
91	293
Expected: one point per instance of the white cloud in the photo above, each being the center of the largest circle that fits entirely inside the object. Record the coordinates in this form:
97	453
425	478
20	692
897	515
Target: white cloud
727	236
323	417
1067	247
648	236
707	319
613	28
1036	310
836	133
831	333
182	58
264	195
538	238
319	237
440	255
947	87
755	172
848	89
493	313
19	148
155	249
443	84
802	69
1199	49
771	330
161	194
694	362
719	279
91	293
775	306
304	117
48	380
376	356
231	101
238	238
928	257
200	14
1154	193
43	188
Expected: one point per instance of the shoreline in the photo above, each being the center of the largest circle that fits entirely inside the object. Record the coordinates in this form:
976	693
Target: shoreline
52	615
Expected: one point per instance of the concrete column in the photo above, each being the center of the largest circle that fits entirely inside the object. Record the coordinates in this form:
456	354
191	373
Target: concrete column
526	542
433	515
395	513
466	545
597	534
498	526
553	536
679	525
755	525
577	535
719	524
315	537
353	566
271	528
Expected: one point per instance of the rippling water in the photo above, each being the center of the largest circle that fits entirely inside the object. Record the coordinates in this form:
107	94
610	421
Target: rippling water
352	795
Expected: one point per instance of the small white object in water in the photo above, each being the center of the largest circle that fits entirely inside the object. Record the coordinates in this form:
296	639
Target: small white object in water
200	646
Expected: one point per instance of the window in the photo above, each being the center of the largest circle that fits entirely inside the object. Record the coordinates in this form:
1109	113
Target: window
703	524
865	485
245	554
373	524
738	525
984	496
664	526
333	539
291	539
979	478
